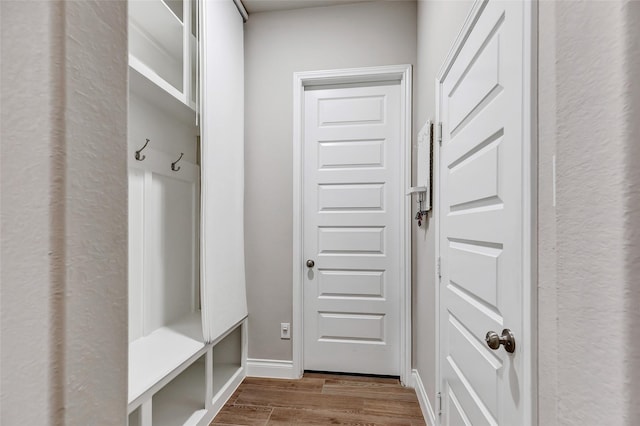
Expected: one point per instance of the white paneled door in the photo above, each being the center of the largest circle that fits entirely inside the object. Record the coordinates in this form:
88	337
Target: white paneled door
483	221
351	177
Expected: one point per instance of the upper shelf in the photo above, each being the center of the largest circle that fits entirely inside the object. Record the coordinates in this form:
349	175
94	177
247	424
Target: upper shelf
159	23
162	55
145	83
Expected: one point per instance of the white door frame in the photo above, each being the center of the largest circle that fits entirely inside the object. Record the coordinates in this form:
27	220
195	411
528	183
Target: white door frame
530	205
402	74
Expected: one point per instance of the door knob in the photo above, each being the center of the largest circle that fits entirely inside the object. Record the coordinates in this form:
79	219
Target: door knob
310	263
494	340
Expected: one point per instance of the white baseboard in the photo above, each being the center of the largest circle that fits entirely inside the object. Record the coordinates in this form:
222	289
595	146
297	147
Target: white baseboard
271	368
425	405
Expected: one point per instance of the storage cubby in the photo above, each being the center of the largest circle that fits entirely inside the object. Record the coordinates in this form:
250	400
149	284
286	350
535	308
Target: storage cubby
182	401
227	359
134	418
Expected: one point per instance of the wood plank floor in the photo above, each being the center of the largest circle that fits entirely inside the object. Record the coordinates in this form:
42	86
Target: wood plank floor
321	399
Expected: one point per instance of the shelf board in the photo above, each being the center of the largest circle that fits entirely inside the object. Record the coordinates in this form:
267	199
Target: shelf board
148	85
153	358
159	22
182	401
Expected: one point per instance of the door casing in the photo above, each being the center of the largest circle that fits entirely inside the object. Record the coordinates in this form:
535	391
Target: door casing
530	190
401	74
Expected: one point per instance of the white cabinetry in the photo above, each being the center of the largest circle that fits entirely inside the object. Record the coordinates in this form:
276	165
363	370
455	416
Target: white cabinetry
176	375
163	45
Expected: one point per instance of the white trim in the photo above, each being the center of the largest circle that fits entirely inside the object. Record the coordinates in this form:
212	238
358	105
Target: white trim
402	73
530	208
242	10
529	170
436	215
271	368
425	405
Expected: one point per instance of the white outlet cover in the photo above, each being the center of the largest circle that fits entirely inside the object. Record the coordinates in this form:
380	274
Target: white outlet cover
285	330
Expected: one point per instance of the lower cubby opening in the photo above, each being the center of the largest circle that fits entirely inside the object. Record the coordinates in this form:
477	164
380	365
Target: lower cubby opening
181	401
227	359
134	417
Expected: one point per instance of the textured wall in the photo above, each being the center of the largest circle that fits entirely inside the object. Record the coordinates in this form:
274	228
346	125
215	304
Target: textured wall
64	206
547	291
95	212
439	22
591	298
277	44
30	85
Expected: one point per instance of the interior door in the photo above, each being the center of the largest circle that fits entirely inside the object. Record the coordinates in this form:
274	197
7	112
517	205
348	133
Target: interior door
351	220
481	222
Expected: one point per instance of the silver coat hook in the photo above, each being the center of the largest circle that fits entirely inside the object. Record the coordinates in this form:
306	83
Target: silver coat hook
173	165
141	157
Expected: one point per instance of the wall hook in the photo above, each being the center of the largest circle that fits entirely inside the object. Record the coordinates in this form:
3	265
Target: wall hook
173	165
141	157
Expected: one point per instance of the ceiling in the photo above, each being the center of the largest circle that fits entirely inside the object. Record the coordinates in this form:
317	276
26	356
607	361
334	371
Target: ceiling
255	6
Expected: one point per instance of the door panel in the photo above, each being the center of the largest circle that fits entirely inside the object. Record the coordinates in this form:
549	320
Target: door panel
351	222
364	196
350	154
481	221
352	283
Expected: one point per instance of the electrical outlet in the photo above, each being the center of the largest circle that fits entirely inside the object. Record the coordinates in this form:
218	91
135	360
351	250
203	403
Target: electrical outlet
285	330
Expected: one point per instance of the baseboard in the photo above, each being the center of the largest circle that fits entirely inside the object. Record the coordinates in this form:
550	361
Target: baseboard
425	405
271	368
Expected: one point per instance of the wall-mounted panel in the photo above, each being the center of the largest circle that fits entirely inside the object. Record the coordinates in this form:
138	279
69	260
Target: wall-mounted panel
170	250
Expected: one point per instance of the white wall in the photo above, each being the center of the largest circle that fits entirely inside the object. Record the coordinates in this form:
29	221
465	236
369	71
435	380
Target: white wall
589	293
439	22
277	44
547	291
63	182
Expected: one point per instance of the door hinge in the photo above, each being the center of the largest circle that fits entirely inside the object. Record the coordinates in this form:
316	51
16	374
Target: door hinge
439	403
439	268
440	133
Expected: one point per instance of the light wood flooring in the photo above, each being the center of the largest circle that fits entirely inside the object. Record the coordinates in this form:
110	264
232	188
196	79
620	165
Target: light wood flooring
321	399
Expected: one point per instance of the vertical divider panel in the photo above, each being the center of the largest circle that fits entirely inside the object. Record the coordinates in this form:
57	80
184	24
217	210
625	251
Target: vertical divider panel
146	413
209	380
136	253
147	232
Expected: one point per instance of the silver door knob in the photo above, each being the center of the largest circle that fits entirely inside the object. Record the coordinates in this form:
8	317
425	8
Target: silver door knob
494	340
310	263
